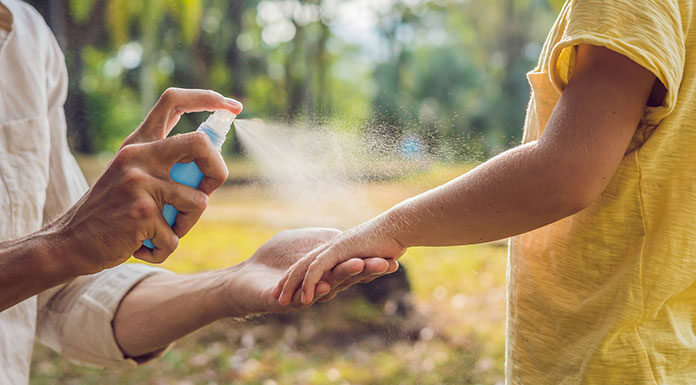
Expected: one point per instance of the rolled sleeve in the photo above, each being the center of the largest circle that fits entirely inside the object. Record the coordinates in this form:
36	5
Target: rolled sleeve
76	318
649	32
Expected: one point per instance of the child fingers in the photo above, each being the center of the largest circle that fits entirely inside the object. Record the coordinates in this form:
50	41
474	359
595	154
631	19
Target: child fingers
344	275
323	288
294	278
278	291
291	280
316	269
279	287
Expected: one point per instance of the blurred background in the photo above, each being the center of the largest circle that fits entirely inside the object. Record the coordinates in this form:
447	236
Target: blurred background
445	78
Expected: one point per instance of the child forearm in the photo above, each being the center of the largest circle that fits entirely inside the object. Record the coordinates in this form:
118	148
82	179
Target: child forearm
512	193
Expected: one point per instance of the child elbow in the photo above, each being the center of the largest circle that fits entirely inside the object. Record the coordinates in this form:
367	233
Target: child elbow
577	198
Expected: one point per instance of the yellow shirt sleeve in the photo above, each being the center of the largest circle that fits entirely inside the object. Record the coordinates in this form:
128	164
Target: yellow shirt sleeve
649	32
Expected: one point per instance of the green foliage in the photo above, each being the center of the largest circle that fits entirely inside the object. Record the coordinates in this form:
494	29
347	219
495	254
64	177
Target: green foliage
114	109
81	9
459	292
120	13
451	73
188	13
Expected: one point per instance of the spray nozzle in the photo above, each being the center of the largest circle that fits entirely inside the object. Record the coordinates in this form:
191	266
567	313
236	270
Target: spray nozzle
220	121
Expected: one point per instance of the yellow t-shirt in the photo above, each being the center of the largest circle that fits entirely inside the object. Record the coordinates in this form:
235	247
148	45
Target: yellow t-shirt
608	295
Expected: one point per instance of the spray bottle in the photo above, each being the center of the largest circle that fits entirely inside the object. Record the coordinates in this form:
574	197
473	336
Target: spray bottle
216	127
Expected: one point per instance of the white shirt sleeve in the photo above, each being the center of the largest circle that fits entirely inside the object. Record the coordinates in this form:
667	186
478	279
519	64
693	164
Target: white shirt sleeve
66	183
75	319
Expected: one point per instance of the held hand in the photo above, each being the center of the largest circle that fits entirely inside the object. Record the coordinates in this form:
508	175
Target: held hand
249	289
364	241
124	207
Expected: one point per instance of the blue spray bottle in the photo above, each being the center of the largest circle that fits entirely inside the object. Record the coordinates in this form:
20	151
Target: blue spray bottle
216	127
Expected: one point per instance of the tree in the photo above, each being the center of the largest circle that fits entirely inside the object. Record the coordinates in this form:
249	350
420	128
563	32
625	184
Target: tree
448	71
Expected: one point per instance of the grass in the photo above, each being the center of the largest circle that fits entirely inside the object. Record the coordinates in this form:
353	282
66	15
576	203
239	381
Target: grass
454	336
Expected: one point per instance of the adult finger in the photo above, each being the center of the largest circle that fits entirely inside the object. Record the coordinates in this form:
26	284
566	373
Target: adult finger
176	101
323	288
364	277
392	266
189	201
347	269
164	239
192	147
330	296
374	268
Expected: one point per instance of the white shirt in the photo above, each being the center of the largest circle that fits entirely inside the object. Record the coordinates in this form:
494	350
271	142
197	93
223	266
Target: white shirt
39	180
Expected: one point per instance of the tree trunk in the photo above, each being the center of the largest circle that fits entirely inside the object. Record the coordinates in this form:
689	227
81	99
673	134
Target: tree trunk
72	38
294	80
323	96
515	37
151	19
233	57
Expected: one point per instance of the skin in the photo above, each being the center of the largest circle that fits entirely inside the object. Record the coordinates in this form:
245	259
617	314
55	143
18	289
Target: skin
517	191
124	207
163	308
110	222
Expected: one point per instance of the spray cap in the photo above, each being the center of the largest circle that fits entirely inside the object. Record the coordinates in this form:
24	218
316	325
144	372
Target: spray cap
220	121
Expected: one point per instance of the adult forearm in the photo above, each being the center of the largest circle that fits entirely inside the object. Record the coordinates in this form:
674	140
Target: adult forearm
32	264
514	192
165	307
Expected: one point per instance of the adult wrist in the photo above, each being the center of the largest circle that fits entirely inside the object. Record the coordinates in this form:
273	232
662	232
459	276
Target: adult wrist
34	267
55	254
67	254
41	253
236	294
217	302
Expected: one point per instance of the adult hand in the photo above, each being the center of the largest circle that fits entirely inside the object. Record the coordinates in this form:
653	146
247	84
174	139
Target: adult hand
249	287
124	207
164	307
371	239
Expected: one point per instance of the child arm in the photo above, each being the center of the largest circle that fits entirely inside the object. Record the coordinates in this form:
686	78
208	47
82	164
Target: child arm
517	191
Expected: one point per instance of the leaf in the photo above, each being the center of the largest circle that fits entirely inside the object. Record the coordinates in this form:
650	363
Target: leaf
189	14
151	15
81	9
117	20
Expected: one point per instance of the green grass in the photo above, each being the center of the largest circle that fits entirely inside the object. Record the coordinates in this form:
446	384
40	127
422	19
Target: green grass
456	335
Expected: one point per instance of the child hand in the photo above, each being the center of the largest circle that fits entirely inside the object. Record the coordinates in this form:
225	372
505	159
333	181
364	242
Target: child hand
366	240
